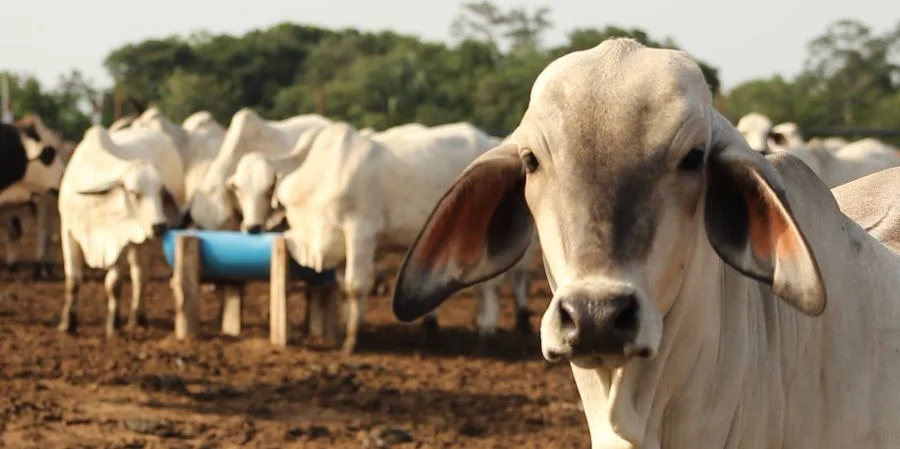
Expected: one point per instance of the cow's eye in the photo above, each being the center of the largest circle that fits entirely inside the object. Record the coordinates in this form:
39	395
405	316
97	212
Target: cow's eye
530	161
691	161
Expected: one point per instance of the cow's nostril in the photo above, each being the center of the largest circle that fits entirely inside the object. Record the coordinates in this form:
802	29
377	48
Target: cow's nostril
566	318
627	319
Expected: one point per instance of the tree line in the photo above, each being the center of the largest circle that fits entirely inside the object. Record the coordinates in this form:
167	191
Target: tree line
851	75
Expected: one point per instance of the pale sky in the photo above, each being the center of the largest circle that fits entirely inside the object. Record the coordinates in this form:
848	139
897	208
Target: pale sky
756	38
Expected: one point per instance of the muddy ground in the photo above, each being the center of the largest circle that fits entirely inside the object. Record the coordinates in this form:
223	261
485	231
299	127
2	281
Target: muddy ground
147	390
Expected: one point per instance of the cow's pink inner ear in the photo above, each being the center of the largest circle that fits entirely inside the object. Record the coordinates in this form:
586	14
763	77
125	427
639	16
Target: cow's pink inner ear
771	234
457	231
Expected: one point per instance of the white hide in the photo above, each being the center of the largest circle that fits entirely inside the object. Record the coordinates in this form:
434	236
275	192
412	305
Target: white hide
355	198
40	177
253	183
398	131
861	158
211	207
755	128
833	164
198	141
349	182
130	160
122	122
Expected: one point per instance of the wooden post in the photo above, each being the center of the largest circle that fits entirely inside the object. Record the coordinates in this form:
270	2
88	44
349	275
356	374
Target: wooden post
320	101
117	104
232	294
186	286
278	283
6	115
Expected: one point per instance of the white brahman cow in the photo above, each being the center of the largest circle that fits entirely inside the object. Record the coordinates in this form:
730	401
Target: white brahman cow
757	130
34	192
122	122
120	192
857	159
835	166
257	175
828	143
356	198
690	273
211	206
197	140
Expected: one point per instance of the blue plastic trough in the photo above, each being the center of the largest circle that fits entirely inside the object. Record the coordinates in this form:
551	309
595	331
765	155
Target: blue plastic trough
235	256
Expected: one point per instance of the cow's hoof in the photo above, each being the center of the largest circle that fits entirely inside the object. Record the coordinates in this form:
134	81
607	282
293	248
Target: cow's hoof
523	323
485	345
349	347
432	331
68	325
41	272
139	319
113	324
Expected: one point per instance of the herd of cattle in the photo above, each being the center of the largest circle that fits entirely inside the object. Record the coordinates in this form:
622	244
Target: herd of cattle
694	250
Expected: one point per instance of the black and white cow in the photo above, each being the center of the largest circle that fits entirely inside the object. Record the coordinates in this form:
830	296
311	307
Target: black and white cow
30	174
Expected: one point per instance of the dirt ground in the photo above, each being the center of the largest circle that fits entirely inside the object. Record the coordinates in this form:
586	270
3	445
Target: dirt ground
147	390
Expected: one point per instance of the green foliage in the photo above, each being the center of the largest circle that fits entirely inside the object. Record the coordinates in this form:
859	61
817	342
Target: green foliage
851	78
384	79
58	108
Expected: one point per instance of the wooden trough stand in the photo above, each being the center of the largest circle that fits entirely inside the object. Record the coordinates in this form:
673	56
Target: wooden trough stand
229	259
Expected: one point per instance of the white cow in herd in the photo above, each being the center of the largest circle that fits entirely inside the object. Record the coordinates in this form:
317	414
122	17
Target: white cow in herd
120	192
211	205
122	122
256	177
690	274
398	131
355	198
197	140
258	174
834	164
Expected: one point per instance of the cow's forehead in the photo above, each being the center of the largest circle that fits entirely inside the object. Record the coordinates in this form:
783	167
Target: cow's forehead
619	98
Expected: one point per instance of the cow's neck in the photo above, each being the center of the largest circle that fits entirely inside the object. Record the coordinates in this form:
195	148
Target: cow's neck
645	404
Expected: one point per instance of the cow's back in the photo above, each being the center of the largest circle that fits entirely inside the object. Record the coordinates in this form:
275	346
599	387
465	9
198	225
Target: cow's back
289	130
157	148
420	169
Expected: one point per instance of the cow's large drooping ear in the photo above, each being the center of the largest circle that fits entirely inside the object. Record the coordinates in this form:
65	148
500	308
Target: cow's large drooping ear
101	188
750	224
479	229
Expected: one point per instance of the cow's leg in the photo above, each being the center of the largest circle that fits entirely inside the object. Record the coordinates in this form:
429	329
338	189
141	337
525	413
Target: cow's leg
113	285
521	284
358	277
487	311
13	233
73	262
432	328
307	316
42	218
320	323
139	264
